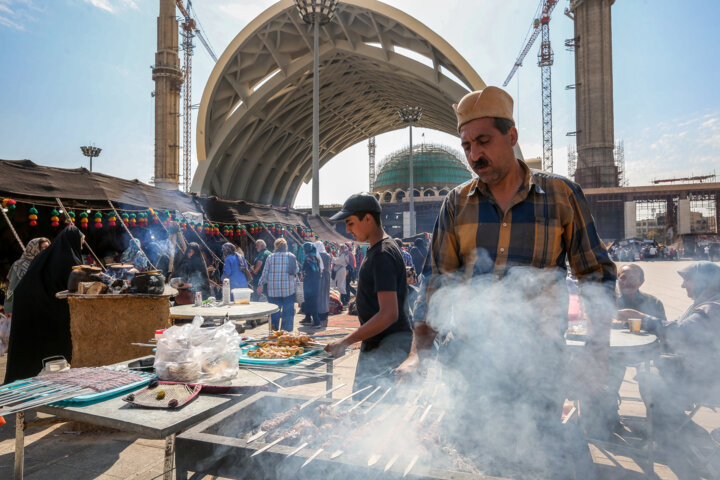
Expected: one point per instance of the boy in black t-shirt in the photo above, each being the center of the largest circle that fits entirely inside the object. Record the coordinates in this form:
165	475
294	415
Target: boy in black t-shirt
385	329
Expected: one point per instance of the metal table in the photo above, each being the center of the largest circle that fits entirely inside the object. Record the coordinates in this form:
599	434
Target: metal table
252	314
159	424
628	348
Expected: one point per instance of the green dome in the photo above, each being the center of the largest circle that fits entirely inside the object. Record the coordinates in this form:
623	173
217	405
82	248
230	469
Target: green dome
433	166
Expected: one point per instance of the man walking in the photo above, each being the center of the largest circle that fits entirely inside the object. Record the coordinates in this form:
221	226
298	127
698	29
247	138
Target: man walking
279	276
384	330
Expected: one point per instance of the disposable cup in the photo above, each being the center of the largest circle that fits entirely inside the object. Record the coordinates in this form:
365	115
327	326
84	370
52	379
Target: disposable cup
634	324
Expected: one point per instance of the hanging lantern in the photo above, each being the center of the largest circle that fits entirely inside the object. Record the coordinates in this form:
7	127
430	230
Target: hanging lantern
183	224
155	217
125	218
133	220
98	220
112	219
168	218
83	219
33	216
72	217
54	218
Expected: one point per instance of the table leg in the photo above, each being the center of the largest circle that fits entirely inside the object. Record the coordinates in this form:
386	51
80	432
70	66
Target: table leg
19	445
329	379
169	456
649	414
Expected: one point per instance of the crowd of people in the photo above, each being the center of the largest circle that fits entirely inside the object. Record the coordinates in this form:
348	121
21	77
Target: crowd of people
490	301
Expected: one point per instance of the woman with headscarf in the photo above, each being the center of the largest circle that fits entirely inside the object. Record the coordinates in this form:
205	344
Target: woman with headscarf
235	266
193	270
339	267
311	285
20	267
324	290
134	255
41	323
692	370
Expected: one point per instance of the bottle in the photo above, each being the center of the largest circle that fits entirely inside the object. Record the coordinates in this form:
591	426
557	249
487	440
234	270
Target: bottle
198	299
226	292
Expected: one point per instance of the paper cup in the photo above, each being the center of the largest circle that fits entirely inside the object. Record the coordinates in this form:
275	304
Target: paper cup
634	324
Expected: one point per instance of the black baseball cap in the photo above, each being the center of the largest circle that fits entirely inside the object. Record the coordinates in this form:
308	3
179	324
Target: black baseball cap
359	202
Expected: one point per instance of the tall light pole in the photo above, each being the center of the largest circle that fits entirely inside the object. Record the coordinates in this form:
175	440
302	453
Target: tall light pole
316	12
411	115
90	151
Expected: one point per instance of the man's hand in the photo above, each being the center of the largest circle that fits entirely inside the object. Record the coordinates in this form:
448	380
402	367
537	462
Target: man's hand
337	349
259	290
626	313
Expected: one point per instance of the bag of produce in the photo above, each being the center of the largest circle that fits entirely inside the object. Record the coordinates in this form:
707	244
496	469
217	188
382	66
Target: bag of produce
189	353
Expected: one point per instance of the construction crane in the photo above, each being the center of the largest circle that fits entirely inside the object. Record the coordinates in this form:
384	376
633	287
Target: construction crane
545	60
189	31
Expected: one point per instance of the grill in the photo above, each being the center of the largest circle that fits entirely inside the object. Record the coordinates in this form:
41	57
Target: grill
213	448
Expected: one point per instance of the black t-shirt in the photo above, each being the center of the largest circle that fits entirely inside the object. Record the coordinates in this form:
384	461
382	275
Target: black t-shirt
382	270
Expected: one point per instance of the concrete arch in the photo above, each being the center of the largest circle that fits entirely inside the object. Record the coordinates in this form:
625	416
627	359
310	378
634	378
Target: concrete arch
254	124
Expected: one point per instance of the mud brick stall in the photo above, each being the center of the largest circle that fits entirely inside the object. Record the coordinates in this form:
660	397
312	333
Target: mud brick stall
218	447
104	326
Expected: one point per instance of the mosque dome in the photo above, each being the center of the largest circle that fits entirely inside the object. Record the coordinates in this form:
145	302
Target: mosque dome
436	168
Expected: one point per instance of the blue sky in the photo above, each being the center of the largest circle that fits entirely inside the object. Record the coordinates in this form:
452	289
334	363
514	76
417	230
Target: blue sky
78	71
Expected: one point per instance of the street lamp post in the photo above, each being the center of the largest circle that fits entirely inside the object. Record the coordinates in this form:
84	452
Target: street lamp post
411	115
91	152
316	12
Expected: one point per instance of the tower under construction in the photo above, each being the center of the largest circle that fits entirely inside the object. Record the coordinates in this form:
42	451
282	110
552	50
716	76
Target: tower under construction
594	93
168	80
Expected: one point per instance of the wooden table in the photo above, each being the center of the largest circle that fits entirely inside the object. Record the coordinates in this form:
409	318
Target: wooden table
252	314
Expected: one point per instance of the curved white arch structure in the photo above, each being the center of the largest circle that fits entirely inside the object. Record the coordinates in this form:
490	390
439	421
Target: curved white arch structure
255	120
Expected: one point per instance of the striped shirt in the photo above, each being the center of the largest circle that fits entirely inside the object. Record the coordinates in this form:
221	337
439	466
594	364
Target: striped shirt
279	274
548	221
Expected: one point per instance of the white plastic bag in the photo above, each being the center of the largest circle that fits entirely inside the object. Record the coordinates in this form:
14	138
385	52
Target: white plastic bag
189	353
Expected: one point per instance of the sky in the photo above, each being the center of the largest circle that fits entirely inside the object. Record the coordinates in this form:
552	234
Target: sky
77	72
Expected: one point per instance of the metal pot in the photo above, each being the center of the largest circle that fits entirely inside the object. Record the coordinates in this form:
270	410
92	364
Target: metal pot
152	282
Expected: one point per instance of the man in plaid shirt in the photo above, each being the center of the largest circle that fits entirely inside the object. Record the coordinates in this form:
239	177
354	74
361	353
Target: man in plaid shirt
507	217
279	276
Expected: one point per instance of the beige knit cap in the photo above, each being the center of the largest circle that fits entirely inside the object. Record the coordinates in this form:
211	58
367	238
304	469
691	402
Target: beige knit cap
489	102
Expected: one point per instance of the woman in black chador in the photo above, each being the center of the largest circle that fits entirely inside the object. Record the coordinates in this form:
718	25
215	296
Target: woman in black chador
41	323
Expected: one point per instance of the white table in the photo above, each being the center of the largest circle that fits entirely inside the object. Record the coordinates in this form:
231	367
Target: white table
252	313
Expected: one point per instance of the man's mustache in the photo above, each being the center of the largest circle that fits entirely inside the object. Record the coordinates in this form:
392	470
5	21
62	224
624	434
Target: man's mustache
481	162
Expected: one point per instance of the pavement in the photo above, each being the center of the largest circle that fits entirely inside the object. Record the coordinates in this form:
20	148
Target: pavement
78	451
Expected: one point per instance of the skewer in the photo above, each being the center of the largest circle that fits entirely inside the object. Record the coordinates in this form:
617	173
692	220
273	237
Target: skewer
390	463
363	400
304	444
36	393
378	400
266	379
381	418
312	457
153	345
351	409
349	396
410	465
304	405
268	446
427	410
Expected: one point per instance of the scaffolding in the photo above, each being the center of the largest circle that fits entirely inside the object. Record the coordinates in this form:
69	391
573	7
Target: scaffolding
571	161
651	219
703	213
623	180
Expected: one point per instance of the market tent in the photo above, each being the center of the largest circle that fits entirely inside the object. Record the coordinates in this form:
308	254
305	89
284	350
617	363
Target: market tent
239	211
25	179
324	229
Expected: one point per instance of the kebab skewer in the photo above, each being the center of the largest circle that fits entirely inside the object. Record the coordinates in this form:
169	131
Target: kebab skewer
288	415
302	428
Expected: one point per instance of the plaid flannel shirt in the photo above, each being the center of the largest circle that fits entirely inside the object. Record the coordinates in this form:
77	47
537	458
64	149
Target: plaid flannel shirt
276	274
549	220
407	258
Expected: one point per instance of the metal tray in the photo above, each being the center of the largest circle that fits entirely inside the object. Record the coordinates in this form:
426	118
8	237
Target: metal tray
243	359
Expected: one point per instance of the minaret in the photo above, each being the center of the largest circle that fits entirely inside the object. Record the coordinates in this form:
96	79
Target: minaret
594	94
168	78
